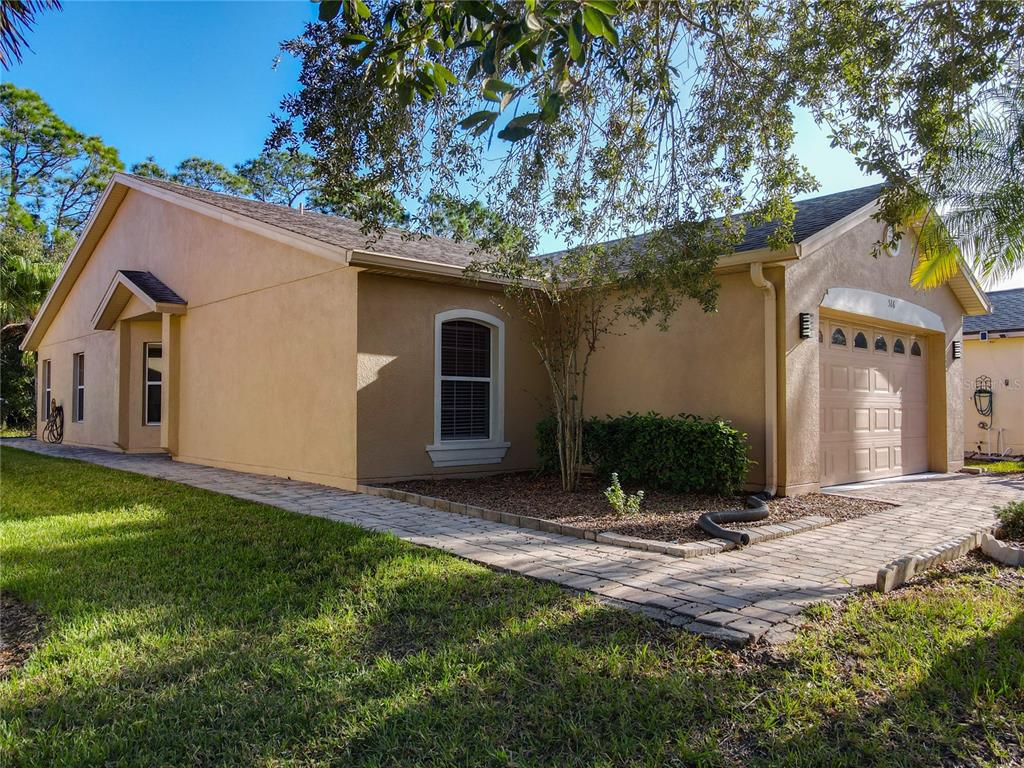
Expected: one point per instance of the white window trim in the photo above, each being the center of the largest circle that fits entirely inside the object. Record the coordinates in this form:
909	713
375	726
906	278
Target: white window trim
146	384
47	388
78	386
464	453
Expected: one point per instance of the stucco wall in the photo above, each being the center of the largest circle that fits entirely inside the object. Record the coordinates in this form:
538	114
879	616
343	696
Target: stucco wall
267	346
99	427
709	364
396	378
1002	360
847	262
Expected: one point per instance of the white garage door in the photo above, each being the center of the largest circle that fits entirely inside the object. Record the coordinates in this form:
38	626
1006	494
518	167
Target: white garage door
874	403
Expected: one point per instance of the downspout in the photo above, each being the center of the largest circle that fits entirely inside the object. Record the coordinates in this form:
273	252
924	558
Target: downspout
771	381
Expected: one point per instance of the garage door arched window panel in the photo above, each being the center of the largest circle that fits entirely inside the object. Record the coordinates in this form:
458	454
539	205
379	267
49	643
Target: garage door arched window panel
469	355
915	349
860	341
881	345
898	348
838	337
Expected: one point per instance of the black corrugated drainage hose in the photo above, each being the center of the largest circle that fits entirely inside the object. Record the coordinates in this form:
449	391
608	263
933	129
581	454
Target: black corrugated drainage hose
757	509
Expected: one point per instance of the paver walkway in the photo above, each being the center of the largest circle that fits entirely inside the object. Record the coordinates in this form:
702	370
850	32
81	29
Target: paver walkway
733	597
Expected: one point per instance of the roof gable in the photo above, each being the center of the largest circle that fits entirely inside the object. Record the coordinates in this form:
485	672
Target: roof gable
146	287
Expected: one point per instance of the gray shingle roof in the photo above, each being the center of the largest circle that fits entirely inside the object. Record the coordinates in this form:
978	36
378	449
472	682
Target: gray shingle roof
1007	313
152	286
332	230
813	215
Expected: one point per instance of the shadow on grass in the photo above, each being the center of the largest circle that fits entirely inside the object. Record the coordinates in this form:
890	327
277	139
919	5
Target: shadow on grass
189	627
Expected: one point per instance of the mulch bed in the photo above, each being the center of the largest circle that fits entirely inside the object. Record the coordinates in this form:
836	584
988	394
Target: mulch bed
21	628
664	516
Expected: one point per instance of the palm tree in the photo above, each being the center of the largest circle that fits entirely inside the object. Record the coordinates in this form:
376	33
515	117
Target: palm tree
16	19
980	194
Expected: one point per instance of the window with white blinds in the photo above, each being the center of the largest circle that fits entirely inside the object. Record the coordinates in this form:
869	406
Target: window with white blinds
465	380
78	387
469	389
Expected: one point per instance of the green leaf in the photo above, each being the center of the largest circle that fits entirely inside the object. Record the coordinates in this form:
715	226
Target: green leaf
361	9
574	33
486	125
607	7
514	133
493	84
353	38
525	119
328	9
436	46
552	106
478	10
483	117
534	22
592	21
404	93
598	25
440	70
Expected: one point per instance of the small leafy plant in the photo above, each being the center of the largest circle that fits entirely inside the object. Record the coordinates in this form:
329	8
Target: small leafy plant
623	503
1011	518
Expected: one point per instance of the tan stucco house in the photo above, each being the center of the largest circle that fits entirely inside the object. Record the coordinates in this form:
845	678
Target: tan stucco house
240	334
994	361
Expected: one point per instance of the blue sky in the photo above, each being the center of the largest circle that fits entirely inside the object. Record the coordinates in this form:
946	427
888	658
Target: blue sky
174	79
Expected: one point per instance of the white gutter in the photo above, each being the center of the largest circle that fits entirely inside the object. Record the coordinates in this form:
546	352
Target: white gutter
771	379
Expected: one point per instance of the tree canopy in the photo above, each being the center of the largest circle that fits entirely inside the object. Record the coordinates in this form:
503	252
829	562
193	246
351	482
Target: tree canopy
52	174
605	117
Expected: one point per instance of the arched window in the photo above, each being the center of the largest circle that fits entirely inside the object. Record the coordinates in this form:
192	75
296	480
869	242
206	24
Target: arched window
880	344
915	349
860	341
838	337
469	404
465	380
898	348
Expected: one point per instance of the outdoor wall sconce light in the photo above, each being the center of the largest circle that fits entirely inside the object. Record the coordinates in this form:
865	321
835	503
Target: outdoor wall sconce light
805	325
957	349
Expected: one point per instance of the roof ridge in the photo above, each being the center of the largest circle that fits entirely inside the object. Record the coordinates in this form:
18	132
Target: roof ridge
302	211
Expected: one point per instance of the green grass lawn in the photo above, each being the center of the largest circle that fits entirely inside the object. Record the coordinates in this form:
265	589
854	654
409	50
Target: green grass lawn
999	467
187	627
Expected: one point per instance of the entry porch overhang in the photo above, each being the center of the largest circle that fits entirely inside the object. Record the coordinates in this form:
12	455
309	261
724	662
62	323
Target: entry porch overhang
146	287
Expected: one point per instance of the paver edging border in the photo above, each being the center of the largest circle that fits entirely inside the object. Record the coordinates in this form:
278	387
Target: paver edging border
900	571
685	550
1004	552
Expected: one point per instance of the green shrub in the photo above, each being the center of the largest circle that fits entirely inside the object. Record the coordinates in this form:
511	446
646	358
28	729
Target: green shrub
1011	519
678	453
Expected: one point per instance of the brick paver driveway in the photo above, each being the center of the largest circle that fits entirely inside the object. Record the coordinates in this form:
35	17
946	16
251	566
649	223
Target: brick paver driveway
733	597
